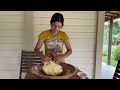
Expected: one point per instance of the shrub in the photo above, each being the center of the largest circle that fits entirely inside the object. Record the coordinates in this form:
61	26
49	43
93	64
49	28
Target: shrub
116	53
104	53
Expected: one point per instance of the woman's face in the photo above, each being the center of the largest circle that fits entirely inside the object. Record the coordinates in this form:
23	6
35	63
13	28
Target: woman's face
56	26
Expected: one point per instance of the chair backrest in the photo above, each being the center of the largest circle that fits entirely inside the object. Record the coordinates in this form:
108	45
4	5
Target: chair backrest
117	71
28	59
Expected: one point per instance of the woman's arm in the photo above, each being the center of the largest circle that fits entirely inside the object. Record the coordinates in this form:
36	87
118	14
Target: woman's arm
58	58
69	49
37	48
40	54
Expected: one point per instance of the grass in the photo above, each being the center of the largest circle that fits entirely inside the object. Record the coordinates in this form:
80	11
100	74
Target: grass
105	56
113	62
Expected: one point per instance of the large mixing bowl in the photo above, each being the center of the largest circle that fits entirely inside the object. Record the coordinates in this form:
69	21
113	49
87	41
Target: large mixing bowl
68	71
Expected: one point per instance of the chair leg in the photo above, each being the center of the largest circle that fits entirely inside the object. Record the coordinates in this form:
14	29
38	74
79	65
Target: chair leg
117	70
20	75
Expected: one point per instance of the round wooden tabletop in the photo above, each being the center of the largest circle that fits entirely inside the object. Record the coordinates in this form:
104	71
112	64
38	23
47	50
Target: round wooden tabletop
70	72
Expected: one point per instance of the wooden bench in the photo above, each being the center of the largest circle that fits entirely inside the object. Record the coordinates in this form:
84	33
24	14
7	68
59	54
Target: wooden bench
28	59
117	71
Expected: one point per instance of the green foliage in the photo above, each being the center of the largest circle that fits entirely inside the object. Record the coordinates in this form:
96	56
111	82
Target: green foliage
113	62
104	52
116	53
106	33
116	27
115	32
116	38
113	48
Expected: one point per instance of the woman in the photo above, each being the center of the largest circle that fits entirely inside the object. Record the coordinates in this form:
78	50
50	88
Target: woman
53	40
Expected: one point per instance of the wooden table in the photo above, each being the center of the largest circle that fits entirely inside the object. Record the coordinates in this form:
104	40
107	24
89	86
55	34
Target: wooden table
33	74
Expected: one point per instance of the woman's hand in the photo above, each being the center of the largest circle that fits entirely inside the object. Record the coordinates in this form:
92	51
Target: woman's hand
44	58
58	59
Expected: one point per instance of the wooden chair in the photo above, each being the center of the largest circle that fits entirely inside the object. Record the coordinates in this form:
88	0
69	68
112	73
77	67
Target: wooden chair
117	71
28	59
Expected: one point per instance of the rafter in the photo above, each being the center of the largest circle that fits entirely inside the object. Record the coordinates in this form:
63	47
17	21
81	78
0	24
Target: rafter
112	14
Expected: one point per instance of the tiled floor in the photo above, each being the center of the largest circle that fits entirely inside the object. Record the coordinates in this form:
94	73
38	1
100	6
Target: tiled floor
107	71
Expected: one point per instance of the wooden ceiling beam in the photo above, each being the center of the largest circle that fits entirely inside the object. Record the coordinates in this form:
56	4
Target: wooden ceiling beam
115	17
112	14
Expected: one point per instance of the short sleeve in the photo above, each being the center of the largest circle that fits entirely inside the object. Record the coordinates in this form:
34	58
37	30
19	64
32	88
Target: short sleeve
42	36
65	37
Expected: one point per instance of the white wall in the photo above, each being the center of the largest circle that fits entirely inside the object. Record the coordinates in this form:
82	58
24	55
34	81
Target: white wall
12	27
81	28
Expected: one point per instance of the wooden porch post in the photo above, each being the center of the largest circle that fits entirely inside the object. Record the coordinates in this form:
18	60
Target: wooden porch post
110	41
99	43
28	37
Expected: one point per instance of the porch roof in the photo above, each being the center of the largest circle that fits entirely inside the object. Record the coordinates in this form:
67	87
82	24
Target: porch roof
112	14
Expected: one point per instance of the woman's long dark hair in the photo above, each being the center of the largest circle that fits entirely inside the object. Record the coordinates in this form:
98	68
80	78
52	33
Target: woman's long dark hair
57	17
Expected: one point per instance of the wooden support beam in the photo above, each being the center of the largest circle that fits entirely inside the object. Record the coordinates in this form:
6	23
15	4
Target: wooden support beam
110	41
115	17
28	35
114	14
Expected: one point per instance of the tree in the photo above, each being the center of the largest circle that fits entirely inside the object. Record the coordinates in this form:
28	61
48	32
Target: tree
115	32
